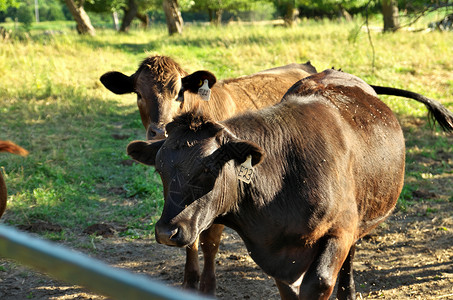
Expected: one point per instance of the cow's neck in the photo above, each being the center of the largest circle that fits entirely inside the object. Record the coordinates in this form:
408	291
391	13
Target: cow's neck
219	107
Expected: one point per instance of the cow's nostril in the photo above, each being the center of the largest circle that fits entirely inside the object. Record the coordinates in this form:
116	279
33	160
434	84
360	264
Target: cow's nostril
155	133
167	235
150	134
173	234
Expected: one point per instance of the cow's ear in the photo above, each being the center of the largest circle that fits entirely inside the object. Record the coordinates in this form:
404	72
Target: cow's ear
144	151
195	80
237	150
240	150
232	147
118	83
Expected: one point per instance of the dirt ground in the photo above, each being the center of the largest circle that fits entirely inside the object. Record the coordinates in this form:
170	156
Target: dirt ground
409	257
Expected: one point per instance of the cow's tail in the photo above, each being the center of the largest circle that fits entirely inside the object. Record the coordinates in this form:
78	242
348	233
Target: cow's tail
7	146
437	112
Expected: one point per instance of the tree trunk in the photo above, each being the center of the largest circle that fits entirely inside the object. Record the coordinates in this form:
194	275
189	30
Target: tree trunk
130	12
116	24
173	16
211	15
218	16
144	19
291	13
82	19
390	15
343	13
215	16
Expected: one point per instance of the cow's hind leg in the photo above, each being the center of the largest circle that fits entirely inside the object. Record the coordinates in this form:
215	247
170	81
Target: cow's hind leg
209	242
191	269
319	281
346	286
286	291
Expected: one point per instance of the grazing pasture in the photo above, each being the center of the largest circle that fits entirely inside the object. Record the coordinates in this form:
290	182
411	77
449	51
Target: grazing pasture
78	173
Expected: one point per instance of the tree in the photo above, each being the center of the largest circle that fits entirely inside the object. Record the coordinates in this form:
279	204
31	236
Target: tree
136	9
25	15
417	9
173	16
390	15
5	4
80	16
130	12
334	8
132	9
287	9
215	9
107	7
51	10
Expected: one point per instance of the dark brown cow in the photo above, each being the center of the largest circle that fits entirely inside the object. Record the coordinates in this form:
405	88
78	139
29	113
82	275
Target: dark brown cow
157	83
326	166
7	146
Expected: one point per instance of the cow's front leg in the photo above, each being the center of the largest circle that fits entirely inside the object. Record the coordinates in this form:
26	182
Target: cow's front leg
346	286
209	241
319	281
191	269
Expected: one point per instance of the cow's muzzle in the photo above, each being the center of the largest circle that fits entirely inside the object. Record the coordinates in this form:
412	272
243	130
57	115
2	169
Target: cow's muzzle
168	235
155	133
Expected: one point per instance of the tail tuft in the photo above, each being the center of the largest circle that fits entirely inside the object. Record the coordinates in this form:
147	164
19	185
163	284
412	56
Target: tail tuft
436	111
7	146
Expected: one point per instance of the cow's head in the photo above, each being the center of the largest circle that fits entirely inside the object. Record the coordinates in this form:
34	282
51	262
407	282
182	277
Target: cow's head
198	164
157	83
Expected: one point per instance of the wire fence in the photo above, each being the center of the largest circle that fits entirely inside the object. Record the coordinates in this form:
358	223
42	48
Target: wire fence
76	268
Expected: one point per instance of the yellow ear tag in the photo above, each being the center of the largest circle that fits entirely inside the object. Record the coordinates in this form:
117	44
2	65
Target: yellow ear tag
204	91
246	170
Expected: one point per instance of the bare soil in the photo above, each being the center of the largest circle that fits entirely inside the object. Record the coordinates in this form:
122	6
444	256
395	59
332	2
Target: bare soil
409	257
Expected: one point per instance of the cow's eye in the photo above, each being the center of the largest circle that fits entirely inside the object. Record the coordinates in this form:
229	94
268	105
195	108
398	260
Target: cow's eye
139	96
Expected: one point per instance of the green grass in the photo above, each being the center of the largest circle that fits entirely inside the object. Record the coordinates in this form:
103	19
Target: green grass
52	103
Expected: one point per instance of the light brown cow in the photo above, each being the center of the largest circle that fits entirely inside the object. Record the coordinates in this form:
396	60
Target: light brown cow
157	83
7	146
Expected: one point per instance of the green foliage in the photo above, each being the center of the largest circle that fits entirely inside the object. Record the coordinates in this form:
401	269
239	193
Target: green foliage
254	10
103	6
417	5
332	8
108	6
5	4
222	5
25	15
51	10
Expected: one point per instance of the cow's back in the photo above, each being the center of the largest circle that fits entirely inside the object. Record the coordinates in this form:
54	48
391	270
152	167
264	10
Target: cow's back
372	135
294	68
259	90
266	88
